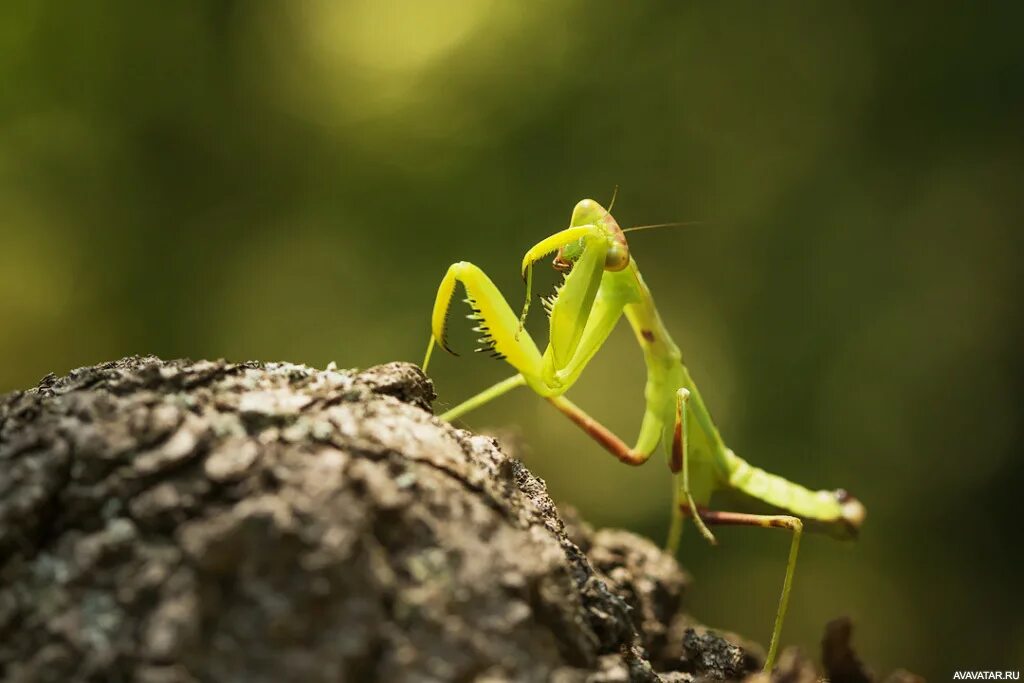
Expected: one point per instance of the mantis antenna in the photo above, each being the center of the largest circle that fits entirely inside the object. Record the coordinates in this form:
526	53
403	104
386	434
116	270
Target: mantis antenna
611	204
683	224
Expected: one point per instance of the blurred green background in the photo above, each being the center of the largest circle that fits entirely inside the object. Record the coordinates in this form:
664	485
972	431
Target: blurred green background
289	180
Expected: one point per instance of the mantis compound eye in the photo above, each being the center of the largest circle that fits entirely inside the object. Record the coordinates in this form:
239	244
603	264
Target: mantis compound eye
617	257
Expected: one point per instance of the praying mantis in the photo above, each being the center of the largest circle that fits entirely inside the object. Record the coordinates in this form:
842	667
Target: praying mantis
602	282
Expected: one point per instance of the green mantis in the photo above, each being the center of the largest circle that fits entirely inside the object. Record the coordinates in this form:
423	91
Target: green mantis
602	283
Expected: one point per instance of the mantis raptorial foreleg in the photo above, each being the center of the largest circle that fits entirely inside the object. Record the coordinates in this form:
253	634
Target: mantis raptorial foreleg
497	322
543	248
588	321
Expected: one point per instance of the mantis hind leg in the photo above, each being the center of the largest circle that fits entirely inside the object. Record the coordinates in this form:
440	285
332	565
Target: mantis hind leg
793	524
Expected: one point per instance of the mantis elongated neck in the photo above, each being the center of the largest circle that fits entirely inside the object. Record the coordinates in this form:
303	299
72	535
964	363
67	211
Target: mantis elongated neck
663	357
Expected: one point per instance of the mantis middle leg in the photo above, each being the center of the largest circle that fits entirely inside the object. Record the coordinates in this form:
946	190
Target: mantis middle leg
650	435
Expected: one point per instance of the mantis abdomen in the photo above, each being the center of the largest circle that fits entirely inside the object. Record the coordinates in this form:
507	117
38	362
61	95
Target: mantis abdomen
828	507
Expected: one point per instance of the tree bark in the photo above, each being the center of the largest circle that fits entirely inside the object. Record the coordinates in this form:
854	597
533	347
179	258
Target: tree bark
210	521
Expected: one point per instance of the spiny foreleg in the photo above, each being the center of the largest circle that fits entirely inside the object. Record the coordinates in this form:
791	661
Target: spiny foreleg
496	320
497	324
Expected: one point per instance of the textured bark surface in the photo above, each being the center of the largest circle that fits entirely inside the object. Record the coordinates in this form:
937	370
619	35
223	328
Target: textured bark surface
179	521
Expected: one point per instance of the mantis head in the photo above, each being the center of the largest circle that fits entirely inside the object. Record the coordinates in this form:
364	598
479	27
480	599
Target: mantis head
589	212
